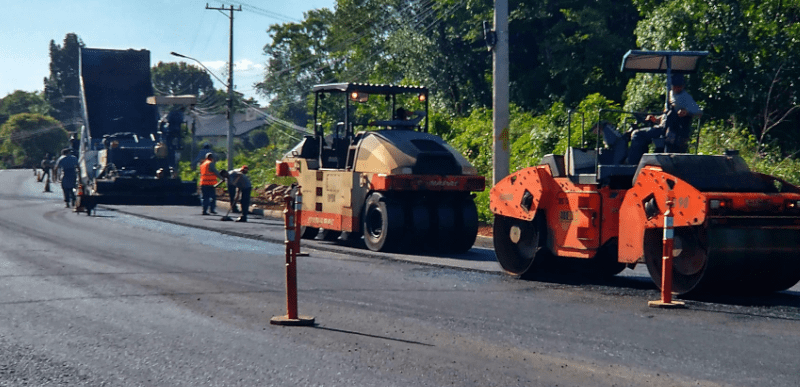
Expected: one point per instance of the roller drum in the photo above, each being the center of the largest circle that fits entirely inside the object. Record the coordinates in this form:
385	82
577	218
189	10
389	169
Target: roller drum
737	260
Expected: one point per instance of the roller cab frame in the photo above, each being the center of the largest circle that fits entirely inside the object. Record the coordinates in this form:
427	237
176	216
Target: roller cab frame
736	231
368	172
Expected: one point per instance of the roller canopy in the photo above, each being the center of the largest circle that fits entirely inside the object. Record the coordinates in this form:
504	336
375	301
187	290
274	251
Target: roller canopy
684	62
368	88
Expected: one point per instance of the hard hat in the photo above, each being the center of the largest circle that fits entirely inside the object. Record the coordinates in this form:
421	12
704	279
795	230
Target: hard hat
209	155
244	168
677	79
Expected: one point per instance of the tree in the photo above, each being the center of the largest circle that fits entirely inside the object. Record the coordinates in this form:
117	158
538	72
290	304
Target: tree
27	137
180	78
567	50
22	102
560	50
298	59
62	87
749	43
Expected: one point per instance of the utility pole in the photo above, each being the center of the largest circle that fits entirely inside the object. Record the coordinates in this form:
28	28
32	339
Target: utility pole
230	82
500	115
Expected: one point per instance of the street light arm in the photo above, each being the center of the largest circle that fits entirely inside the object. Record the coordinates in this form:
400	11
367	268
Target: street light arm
173	53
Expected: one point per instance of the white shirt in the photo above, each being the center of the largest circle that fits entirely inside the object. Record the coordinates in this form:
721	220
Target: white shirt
684	101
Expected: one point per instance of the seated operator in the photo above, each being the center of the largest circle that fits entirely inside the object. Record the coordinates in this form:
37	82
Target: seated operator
616	143
674	124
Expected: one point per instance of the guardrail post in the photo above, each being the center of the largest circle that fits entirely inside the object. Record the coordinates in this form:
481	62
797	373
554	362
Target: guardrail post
291	225
666	263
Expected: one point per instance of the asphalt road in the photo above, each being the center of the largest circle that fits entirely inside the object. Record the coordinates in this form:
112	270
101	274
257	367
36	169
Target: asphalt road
163	296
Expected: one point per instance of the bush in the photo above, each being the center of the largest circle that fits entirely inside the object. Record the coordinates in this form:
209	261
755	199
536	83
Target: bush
27	137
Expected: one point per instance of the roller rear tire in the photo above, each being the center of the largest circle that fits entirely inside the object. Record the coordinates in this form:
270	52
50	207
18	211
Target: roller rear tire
383	223
308	232
330	235
466	226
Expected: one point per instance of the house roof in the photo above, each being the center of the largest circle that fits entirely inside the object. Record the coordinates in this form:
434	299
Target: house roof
217	124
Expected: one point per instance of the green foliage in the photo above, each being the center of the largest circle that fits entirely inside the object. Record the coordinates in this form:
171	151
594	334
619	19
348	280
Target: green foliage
720	135
62	86
27	137
564	54
181	78
22	102
751	71
298	59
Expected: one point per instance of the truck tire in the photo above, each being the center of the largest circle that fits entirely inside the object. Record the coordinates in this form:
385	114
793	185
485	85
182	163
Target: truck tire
308	232
383	223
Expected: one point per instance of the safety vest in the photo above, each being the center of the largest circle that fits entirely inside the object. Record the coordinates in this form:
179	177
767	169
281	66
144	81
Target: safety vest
207	177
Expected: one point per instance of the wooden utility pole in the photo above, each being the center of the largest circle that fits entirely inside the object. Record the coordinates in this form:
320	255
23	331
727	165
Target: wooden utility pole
230	82
500	114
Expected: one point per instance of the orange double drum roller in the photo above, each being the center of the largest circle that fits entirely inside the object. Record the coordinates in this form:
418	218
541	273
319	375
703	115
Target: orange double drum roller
735	230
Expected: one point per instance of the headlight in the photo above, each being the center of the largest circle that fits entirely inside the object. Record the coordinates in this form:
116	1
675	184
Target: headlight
719	205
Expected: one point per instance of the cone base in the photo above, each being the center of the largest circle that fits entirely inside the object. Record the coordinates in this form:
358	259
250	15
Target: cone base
299	321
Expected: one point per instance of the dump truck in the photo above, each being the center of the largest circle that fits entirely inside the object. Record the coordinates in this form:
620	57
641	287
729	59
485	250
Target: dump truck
372	169
126	156
735	230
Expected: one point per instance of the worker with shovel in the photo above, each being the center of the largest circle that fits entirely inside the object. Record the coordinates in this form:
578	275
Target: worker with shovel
238	180
208	182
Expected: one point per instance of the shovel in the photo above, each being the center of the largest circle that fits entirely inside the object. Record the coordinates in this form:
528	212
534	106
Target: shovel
226	218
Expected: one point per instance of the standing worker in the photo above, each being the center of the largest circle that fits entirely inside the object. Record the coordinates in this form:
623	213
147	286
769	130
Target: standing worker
208	182
201	155
47	166
237	179
68	164
74	143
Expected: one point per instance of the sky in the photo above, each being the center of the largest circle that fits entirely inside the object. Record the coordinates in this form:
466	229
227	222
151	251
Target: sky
161	26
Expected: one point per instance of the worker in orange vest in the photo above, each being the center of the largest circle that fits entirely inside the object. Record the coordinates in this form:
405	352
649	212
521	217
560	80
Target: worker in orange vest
208	182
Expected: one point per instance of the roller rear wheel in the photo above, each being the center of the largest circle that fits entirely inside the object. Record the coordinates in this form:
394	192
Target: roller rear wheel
383	223
445	226
419	235
519	244
466	225
330	235
308	232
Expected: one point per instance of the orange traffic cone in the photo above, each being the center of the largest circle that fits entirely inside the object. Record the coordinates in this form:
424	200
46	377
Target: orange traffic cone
79	202
47	184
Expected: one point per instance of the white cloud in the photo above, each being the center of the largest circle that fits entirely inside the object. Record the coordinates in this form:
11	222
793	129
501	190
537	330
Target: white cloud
216	65
220	66
247	65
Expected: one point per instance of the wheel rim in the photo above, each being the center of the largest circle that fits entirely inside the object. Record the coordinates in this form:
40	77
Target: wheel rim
374	222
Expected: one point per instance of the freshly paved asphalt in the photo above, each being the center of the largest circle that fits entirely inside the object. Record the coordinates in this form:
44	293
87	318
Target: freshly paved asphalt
124	299
269	226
